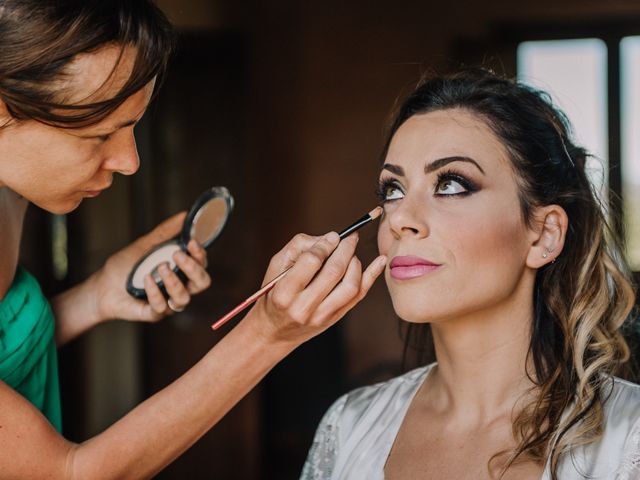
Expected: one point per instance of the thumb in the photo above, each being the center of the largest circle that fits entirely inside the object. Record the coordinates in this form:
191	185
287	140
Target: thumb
166	230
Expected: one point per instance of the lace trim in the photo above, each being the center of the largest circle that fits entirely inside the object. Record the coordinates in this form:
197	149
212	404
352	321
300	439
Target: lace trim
323	451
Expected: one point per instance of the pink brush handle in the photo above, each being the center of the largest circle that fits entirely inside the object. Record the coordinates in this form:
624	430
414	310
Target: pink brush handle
249	301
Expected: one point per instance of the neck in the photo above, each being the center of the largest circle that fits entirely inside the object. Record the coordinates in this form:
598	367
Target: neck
12	211
482	358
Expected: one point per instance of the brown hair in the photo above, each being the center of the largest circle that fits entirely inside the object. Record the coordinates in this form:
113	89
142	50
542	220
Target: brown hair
582	299
38	39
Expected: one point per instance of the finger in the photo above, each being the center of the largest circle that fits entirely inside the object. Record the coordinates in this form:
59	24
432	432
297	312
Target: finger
372	272
155	297
369	277
199	279
332	272
197	252
342	295
305	268
288	255
174	286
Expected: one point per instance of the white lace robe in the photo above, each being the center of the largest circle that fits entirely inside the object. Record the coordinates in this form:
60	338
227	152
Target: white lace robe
356	434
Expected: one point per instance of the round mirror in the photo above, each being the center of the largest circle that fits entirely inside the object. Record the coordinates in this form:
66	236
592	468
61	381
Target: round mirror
207	217
204	222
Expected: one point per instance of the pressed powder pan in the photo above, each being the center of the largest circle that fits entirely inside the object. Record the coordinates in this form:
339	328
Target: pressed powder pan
204	223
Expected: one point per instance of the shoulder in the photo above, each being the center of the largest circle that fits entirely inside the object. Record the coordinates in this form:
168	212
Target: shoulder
622	401
625	388
621	409
620	442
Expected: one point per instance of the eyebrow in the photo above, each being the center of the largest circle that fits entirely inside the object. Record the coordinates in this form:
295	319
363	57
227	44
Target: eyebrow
433	166
441	162
115	128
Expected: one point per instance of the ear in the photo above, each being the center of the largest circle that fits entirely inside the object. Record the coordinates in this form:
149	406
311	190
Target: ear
548	235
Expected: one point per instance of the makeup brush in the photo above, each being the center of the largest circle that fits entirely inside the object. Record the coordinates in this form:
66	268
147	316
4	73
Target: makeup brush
372	215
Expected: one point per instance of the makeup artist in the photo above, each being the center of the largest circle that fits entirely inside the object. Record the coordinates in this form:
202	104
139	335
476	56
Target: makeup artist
75	78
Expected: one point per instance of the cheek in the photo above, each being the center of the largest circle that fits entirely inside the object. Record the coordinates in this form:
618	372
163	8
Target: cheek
56	155
484	255
75	164
489	254
480	239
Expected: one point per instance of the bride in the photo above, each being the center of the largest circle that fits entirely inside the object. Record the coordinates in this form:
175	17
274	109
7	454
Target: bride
498	245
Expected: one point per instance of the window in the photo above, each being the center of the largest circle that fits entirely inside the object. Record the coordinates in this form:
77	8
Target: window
592	81
574	72
630	110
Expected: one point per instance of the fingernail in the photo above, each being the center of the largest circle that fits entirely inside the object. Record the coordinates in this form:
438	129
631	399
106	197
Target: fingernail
382	261
180	256
164	267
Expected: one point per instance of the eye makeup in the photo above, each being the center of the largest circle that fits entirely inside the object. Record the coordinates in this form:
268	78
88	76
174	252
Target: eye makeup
454	176
385	188
389	188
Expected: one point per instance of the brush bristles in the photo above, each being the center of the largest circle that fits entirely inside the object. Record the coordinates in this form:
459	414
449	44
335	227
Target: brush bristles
375	213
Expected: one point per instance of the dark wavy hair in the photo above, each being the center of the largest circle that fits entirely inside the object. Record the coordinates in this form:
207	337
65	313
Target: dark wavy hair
582	299
38	39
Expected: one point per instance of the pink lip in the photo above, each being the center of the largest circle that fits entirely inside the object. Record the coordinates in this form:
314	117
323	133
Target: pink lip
407	267
95	193
92	193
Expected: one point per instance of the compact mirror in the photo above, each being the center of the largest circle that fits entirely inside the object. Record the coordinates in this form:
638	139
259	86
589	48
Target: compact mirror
204	223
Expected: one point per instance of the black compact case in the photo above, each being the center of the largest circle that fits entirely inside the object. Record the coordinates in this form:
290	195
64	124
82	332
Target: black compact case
204	223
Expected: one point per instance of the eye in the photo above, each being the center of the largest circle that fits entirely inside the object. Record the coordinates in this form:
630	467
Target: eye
453	184
450	187
389	190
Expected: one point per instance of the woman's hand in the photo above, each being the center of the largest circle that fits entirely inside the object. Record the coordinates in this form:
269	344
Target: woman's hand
104	296
325	282
113	301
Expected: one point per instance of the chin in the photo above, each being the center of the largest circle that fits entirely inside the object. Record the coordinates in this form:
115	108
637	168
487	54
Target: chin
418	306
60	207
413	313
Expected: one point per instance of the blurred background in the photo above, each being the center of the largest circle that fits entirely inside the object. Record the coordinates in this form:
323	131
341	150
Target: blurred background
286	103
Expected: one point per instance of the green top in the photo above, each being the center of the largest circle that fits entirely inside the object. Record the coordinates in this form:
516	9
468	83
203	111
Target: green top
28	357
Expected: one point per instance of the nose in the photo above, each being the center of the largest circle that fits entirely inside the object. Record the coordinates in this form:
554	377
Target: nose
122	156
408	218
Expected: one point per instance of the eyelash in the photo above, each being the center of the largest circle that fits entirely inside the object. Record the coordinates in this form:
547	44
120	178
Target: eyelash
469	186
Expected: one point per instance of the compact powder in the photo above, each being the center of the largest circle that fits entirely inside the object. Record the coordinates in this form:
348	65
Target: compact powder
209	221
204	222
163	254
